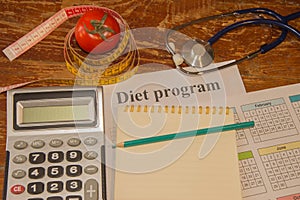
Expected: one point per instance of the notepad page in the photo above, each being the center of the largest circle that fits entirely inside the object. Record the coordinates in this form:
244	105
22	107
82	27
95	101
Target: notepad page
201	167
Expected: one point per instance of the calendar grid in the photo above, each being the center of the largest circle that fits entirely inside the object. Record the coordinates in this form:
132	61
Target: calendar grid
251	179
282	164
272	120
240	134
295	100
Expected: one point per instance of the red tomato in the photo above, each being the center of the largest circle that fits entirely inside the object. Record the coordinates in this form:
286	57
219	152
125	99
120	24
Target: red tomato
97	32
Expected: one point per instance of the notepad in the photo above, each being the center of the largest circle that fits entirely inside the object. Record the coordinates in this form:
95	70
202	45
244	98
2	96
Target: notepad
200	167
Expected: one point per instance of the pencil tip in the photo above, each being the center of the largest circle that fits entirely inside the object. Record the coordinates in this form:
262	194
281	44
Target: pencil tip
121	145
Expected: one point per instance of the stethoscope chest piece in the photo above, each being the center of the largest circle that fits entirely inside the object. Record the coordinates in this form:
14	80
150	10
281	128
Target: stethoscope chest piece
196	56
197	53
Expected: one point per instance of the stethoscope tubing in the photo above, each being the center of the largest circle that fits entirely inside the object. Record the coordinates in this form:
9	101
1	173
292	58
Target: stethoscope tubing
265	48
284	26
280	21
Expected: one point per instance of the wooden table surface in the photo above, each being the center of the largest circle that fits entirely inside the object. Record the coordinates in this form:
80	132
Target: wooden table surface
278	67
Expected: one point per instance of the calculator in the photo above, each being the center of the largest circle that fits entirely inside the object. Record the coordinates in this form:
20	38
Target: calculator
55	144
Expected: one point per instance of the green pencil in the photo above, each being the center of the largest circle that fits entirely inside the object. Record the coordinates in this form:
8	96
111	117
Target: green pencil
192	133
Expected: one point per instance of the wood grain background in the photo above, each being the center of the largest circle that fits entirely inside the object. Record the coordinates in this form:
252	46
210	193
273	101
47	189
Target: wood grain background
278	67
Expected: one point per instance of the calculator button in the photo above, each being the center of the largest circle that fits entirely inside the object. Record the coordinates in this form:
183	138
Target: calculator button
20	145
74	156
74	170
55	156
18	174
74	198
37	158
36	172
91	190
91	169
35	199
90	141
91	155
19	159
37	144
74	142
56	143
54	198
35	188
55	186
73	185
55	171
17	189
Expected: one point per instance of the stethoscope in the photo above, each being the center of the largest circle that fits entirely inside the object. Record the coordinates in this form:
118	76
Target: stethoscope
198	54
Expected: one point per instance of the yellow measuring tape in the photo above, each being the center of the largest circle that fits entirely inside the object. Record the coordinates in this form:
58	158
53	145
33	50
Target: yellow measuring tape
112	67
118	65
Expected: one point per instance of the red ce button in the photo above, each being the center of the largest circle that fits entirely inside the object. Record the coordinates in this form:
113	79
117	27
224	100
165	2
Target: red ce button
17	189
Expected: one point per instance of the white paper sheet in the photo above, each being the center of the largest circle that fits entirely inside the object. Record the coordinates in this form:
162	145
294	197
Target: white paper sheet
170	87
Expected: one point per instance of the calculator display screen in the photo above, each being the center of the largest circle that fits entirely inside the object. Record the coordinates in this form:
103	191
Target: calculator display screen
55	113
55	109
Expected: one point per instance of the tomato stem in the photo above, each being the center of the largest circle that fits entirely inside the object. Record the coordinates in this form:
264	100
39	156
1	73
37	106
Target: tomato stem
99	27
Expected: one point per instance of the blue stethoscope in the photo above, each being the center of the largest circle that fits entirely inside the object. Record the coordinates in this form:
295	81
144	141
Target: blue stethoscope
198	54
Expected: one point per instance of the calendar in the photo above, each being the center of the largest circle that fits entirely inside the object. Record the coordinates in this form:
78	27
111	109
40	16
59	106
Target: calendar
269	153
272	120
251	178
240	134
282	164
295	100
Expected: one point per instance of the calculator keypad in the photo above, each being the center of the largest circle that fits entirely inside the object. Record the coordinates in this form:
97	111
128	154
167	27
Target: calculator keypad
37	157
36	172
55	171
74	156
37	144
18	174
58	168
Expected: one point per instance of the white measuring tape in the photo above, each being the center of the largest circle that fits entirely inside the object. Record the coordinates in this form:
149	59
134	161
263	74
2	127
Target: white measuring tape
43	30
113	73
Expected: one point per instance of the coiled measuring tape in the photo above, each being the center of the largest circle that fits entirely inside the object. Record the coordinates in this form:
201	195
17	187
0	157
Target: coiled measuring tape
113	67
